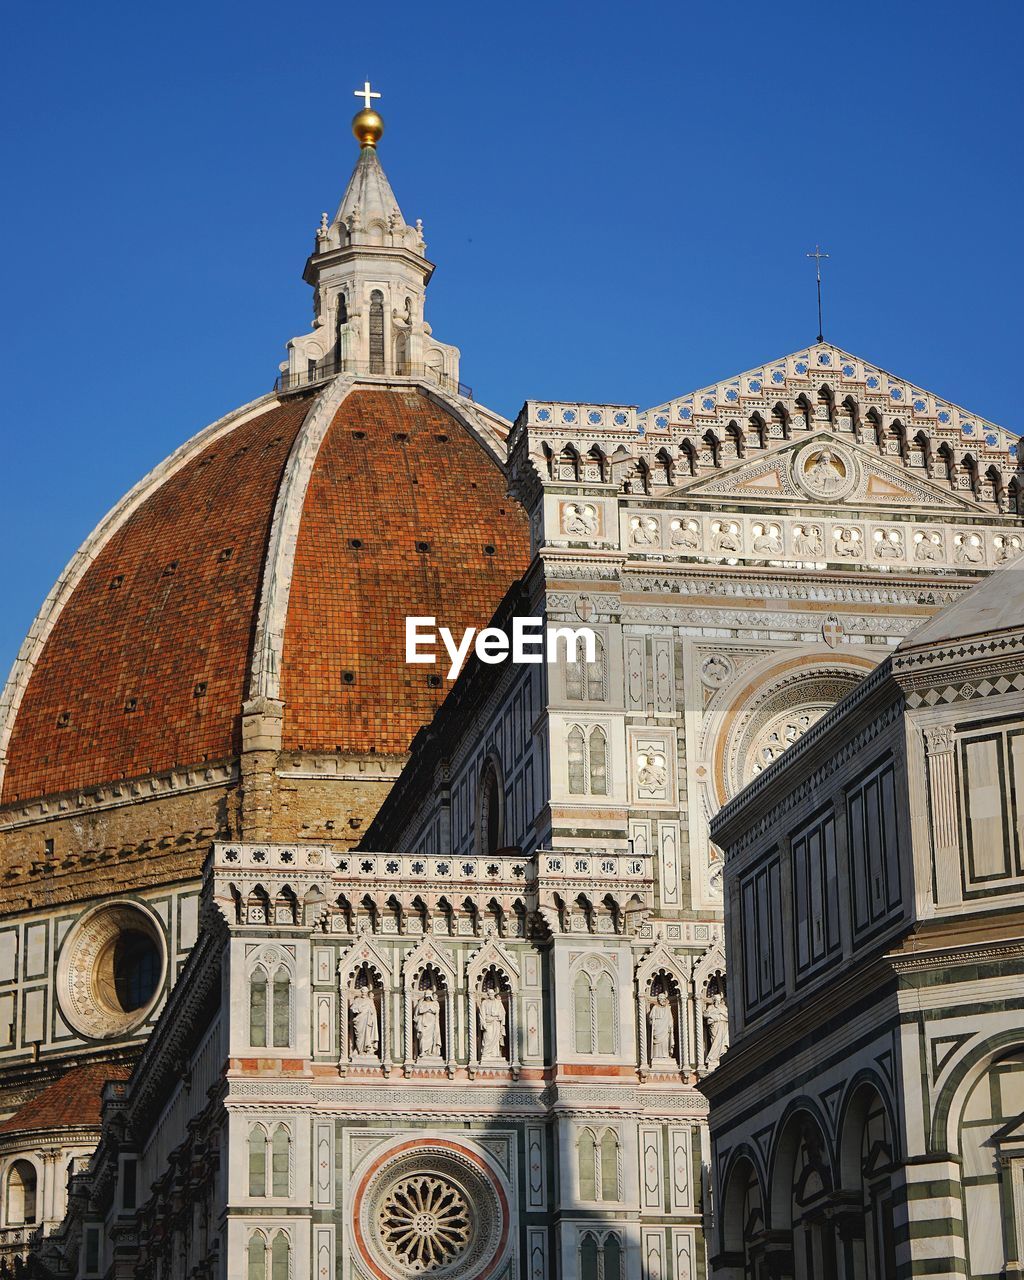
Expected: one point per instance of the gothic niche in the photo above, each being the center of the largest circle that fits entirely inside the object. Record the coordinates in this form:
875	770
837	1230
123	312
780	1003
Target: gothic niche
365	996
428	1008
715	1017
663	1016
492	1001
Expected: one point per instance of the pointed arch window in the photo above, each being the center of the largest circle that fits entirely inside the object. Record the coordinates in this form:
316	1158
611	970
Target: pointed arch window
598	1162
270	1008
257	1257
282	999
280	1257
257	1161
258	1008
588	680
608	1152
586	1155
587	759
280	1161
598	762
594	1012
600	1257
577	762
376	332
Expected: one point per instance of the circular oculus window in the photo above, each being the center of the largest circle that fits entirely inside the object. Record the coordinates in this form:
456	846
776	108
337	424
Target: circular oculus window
111	970
432	1210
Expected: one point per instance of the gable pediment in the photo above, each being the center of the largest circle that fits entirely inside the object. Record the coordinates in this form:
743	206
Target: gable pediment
824	469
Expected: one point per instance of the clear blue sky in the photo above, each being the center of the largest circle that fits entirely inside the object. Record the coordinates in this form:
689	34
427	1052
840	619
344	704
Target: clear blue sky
618	200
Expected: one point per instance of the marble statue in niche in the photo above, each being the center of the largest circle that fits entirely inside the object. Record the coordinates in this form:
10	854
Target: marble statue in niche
492	1020
426	1022
662	1027
362	1012
716	1019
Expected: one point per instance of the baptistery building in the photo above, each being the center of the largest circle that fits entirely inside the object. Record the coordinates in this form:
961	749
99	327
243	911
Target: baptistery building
316	962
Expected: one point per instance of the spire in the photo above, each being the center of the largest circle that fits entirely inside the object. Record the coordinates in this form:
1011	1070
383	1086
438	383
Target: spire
369	273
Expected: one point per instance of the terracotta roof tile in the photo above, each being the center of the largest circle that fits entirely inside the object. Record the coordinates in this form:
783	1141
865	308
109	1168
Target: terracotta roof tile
405	513
73	1100
437	535
181	614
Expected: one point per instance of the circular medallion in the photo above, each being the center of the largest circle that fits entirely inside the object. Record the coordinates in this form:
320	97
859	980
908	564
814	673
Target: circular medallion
430	1209
825	470
111	970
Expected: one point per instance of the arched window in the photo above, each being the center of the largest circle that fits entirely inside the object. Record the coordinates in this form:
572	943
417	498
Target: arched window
491	810
598	1160
594	1012
598	762
20	1201
588	680
604	1015
258	1008
280	1161
282	1008
612	1257
270	1013
586	1154
609	1150
577	762
280	1257
600	1259
589	1257
257	1256
376	332
257	1161
587	759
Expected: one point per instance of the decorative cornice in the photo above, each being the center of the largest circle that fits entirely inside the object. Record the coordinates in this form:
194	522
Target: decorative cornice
113	795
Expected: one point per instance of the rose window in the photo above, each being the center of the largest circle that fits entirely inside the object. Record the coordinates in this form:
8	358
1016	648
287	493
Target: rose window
433	1210
425	1223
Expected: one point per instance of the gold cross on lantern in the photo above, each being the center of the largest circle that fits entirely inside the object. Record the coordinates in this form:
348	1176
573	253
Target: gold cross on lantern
366	93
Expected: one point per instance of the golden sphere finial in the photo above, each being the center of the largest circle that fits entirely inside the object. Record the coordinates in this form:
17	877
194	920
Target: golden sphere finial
368	127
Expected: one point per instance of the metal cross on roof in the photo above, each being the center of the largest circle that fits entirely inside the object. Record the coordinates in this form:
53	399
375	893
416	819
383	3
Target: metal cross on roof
818	255
366	93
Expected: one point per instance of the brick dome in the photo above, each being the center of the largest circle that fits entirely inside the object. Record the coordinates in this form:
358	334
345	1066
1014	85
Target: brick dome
276	555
